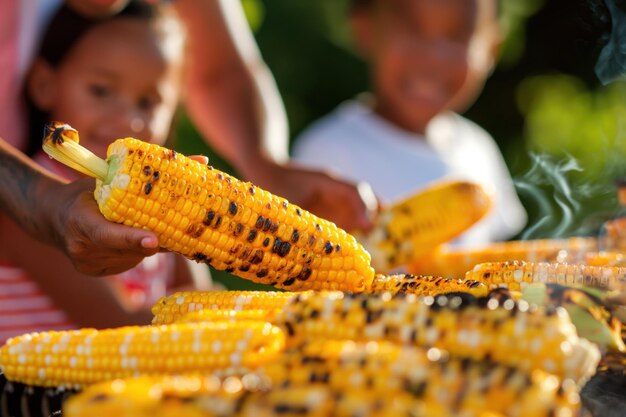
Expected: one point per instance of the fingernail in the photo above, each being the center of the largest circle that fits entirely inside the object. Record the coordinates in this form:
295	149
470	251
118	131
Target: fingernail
149	243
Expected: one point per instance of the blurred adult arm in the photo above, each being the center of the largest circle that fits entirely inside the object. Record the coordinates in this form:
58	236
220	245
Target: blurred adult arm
67	217
233	100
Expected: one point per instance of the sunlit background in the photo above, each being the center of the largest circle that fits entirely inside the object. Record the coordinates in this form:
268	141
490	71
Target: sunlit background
561	132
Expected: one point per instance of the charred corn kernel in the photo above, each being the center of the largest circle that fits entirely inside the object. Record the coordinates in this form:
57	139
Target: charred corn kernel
425	285
240	228
165	396
171	308
516	275
81	357
505	331
229	315
413	227
442	385
454	263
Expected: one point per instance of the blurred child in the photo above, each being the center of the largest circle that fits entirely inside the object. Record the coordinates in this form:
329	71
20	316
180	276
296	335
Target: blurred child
109	79
428	59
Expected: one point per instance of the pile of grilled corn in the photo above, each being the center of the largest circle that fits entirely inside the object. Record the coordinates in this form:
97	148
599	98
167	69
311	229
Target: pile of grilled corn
343	341
318	353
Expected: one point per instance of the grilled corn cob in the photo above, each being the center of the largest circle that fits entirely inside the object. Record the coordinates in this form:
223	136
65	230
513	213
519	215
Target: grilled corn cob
425	285
443	385
415	226
516	275
342	379
507	332
76	358
171	308
454	263
212	217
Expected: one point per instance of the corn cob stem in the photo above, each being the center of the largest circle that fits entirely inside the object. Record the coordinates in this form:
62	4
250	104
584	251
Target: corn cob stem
70	153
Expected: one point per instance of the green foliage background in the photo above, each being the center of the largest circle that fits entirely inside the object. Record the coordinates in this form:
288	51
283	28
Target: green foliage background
562	134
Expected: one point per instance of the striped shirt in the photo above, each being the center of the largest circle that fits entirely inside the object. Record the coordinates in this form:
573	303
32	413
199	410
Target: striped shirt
24	307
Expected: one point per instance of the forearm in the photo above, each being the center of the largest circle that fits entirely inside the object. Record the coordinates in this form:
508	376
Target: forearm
222	111
21	192
231	95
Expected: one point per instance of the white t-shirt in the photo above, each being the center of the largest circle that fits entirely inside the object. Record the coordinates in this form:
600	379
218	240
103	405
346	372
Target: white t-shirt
358	145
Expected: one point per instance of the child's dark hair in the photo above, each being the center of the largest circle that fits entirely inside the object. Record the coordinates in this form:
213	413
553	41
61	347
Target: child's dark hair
65	29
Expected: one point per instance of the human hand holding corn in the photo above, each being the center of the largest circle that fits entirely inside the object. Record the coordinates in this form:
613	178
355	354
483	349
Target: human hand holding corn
211	217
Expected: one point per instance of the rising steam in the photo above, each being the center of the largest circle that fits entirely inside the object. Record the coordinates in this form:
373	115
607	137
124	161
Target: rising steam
560	206
611	64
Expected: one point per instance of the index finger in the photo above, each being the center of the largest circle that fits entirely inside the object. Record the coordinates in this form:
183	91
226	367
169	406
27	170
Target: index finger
121	237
